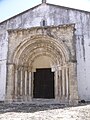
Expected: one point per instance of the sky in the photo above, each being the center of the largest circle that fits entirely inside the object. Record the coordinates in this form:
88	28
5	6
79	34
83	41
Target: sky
9	8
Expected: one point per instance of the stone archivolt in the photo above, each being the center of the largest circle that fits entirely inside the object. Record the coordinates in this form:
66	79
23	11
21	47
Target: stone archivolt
27	52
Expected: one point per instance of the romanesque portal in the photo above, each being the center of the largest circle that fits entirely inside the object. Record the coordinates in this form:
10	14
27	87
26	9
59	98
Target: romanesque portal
42	65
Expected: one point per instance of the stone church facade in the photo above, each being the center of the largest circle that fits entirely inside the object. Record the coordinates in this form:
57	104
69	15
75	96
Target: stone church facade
44	55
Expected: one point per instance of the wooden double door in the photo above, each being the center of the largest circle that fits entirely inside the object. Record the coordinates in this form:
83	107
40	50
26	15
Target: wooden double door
43	84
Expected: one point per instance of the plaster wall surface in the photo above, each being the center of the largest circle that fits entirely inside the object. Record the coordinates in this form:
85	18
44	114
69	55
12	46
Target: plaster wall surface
2	80
53	15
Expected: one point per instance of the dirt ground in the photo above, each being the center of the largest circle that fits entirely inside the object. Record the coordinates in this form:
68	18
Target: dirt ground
44	112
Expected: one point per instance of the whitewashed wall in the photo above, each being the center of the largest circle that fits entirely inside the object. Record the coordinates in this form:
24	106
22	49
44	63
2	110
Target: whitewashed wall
2	80
3	57
54	15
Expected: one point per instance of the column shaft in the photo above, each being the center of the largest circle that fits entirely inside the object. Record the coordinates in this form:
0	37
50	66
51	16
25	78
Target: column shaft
67	82
56	85
63	83
25	82
16	83
30	83
21	87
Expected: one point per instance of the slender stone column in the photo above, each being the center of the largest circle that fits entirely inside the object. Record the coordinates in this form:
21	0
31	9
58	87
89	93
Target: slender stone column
67	83
23	84
32	79
63	83
56	85
10	83
30	89
60	84
21	87
26	85
16	84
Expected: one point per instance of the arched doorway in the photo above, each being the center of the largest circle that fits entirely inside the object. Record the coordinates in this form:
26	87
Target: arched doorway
43	78
40	63
41	54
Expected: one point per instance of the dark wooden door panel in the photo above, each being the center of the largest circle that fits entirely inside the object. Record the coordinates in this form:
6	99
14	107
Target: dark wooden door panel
43	83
